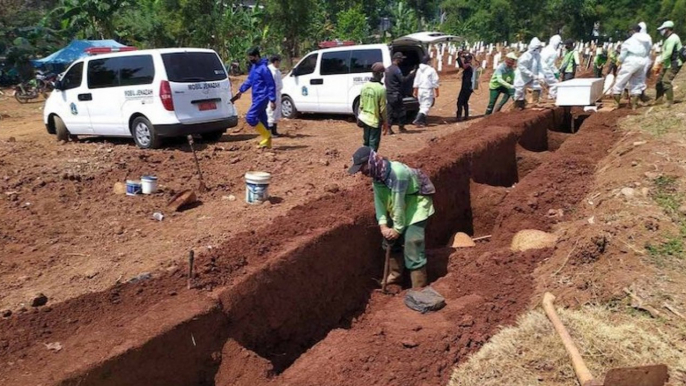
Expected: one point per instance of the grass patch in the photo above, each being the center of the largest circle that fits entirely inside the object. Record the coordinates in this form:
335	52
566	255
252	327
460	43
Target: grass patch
531	353
662	254
667	195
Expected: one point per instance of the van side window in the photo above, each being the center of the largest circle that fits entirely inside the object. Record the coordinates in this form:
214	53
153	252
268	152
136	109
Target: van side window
308	65
362	60
335	63
120	71
73	77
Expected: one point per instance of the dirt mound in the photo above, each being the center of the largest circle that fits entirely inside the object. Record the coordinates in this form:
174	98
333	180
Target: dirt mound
528	239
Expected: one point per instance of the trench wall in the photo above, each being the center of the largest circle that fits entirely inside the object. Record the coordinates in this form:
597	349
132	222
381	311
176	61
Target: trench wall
280	308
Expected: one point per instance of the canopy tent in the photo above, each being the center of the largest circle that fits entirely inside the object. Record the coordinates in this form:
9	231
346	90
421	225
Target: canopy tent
75	50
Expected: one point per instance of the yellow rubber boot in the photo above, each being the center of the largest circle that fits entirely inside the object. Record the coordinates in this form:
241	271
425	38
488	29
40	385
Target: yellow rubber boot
266	141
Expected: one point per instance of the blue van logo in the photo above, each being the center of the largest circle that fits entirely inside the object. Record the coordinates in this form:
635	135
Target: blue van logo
74	110
304	91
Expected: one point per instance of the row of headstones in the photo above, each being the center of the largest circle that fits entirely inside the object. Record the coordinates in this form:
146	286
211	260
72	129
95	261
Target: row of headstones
499	50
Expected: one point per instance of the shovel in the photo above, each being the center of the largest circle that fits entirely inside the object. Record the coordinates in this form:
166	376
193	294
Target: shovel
201	187
653	375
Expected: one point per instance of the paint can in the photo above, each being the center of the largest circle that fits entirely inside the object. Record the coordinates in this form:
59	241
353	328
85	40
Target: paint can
133	187
148	184
257	187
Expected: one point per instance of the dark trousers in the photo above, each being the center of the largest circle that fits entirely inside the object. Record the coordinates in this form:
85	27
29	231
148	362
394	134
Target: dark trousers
463	102
612	70
567	76
598	72
396	109
664	82
495	94
371	136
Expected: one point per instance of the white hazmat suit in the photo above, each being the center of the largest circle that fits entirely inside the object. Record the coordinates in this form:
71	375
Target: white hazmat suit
549	56
425	81
529	70
634	58
274	115
649	64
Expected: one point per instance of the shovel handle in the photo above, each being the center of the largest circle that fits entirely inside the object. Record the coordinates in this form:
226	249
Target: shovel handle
384	279
582	373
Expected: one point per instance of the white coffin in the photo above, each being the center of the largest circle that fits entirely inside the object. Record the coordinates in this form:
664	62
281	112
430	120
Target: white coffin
579	92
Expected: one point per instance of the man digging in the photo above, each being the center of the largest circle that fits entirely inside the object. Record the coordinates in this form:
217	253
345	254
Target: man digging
403	202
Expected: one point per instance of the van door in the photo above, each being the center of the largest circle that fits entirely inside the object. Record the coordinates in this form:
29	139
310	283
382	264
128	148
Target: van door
361	62
199	86
115	82
335	76
73	99
307	84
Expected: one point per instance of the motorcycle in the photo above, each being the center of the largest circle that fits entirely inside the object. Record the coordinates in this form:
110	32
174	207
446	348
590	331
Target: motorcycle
42	84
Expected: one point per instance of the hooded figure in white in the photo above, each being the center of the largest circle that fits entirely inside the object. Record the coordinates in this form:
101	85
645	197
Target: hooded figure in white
649	65
426	89
549	56
274	115
634	59
529	70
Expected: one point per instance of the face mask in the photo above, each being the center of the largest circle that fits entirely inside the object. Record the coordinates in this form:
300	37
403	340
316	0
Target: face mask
663	32
253	60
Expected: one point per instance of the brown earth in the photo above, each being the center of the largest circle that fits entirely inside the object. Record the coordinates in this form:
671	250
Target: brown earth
65	232
285	278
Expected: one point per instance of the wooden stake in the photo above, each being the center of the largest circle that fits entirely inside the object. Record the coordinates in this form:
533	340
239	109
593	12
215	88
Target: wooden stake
191	262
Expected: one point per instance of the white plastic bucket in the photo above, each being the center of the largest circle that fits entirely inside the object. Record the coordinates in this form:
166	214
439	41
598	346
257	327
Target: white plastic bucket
257	187
148	184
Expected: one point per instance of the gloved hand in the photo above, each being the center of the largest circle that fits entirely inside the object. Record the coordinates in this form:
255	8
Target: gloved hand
541	78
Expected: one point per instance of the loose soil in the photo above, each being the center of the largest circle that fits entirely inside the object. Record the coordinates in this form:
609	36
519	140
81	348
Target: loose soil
283	293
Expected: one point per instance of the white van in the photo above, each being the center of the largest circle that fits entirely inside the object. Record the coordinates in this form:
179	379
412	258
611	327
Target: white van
330	80
147	95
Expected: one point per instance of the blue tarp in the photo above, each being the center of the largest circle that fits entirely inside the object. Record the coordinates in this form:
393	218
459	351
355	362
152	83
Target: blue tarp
75	50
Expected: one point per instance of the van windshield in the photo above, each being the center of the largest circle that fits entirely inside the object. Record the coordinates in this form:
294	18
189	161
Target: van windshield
193	67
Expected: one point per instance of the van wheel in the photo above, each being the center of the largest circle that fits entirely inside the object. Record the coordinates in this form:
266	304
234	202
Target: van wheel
356	107
61	130
144	134
288	109
212	136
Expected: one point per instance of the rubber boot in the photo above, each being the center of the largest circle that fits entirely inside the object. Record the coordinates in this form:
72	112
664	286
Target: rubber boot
274	131
519	105
402	129
266	141
618	99
644	98
419	279
395	267
536	96
669	94
390	130
634	102
419	121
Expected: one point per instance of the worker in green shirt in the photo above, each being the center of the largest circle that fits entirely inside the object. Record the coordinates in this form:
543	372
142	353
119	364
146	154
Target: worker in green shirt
670	65
599	62
613	58
570	61
403	203
501	83
372	109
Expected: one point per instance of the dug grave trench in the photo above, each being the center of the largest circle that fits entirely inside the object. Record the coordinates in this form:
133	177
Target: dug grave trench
293	284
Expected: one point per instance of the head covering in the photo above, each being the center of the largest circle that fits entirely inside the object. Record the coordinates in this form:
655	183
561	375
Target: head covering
511	55
555	41
378	67
534	44
399	55
636	28
254	51
275	58
425	59
569	42
668	24
378	166
644	27
360	158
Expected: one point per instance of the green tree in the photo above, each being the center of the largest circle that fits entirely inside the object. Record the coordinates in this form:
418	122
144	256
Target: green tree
89	19
290	19
352	25
404	20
